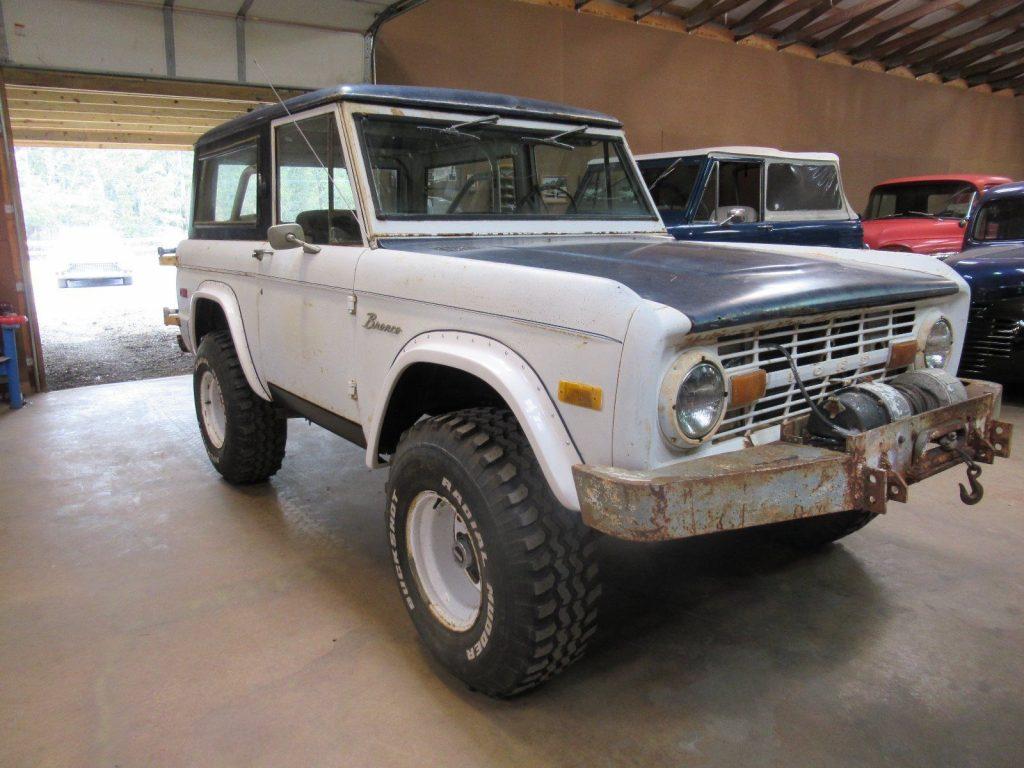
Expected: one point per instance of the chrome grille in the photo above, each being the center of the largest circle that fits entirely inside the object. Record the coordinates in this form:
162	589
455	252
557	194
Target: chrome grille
830	353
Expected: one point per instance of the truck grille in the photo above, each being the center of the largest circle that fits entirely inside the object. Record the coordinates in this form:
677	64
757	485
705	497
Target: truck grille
989	338
830	353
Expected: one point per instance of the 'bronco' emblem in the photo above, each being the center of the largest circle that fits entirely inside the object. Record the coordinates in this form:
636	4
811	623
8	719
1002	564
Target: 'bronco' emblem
374	325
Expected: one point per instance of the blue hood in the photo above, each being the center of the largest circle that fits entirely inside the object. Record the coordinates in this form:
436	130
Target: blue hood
993	273
715	287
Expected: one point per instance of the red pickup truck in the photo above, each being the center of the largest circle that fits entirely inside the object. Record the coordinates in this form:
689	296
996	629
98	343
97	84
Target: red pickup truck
923	214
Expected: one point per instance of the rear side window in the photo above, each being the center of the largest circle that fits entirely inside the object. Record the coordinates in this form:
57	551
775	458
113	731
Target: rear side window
228	181
803	187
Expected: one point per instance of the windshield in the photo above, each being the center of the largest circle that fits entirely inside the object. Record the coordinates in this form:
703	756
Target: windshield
1000	220
934	199
671	180
483	169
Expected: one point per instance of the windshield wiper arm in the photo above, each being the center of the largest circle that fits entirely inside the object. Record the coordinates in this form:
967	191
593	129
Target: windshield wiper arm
666	172
555	141
459	129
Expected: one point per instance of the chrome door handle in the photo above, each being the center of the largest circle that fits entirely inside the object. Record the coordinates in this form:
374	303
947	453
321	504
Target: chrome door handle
259	253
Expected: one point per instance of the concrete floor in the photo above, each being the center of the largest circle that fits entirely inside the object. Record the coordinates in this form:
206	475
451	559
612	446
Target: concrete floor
151	615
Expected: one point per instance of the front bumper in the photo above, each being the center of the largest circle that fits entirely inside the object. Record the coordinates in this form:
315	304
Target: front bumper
792	478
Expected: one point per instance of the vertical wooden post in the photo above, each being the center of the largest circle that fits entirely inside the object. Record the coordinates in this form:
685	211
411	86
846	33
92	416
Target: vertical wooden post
15	276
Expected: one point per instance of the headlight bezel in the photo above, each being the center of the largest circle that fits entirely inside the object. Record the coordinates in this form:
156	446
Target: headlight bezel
925	340
680	370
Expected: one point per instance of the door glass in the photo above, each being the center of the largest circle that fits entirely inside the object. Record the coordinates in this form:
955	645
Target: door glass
739	186
313	185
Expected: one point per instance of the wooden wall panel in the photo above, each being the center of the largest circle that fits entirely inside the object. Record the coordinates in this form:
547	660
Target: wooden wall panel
675	91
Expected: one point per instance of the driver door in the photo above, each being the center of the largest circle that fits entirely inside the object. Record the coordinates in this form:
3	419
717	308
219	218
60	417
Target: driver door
732	185
306	327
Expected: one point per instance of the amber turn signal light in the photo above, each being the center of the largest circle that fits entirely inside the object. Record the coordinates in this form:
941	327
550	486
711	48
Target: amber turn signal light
578	393
902	354
747	388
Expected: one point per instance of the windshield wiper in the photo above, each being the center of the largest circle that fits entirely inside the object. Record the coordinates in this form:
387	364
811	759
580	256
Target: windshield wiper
666	172
555	141
920	213
459	129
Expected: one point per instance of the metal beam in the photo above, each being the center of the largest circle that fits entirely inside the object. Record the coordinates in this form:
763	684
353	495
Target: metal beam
169	37
243	10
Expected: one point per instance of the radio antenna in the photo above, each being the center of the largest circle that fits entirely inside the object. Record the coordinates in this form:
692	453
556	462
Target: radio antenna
330	176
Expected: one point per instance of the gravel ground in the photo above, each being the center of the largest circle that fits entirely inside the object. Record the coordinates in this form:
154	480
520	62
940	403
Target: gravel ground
97	334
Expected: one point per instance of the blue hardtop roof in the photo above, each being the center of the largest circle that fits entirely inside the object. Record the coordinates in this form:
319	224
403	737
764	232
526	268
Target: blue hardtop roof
1013	189
410	96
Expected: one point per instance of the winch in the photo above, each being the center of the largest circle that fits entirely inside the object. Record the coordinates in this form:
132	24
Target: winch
862	407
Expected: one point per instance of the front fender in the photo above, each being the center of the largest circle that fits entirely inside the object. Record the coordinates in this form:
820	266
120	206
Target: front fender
223	295
512	378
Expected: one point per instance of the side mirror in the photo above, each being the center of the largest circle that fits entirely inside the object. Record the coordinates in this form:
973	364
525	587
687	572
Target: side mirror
738	215
284	237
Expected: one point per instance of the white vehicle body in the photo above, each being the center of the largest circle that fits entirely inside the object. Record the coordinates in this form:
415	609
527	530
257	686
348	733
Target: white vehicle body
340	328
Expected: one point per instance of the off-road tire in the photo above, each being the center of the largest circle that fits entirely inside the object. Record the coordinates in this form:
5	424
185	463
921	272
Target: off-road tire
256	431
813	533
538	575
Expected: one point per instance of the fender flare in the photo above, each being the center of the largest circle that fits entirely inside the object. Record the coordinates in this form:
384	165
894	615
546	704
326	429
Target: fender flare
223	295
513	379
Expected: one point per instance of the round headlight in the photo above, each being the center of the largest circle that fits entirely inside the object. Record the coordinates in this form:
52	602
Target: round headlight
700	400
938	346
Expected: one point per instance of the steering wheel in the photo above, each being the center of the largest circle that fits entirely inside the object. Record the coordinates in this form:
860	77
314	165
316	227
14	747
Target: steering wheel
537	190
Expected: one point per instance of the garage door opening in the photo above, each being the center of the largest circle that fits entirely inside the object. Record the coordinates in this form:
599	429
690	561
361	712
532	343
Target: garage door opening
94	219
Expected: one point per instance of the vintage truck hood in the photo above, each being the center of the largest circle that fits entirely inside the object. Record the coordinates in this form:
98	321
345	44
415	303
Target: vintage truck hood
992	272
715	287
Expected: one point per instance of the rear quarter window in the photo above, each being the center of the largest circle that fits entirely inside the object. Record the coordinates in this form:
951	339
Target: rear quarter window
226	189
803	187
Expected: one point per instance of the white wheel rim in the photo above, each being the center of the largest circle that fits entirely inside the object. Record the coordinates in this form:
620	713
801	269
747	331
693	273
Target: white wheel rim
211	405
445	560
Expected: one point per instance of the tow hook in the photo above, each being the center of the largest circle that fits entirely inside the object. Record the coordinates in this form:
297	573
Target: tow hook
973	471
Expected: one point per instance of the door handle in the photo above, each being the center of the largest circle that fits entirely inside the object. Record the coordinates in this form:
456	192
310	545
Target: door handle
259	253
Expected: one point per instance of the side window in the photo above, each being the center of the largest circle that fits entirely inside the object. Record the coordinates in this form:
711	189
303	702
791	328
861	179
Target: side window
739	186
671	182
313	186
226	192
803	187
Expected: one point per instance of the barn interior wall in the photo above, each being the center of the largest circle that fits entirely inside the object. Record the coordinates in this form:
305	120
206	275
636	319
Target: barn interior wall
675	91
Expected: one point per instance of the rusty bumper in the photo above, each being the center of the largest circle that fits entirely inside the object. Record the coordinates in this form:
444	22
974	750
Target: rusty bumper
793	478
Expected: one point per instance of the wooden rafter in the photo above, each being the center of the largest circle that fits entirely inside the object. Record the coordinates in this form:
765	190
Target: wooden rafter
827	44
794	30
929	54
720	8
839	16
952	66
993	63
886	28
915	39
770	19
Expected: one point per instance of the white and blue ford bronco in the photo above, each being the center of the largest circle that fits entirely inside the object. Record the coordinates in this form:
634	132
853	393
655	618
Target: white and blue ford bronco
478	290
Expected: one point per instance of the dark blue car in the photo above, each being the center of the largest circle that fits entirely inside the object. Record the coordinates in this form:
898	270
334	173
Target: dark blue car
992	263
752	195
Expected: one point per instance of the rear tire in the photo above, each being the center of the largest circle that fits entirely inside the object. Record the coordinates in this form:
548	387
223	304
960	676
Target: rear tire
244	434
465	489
813	533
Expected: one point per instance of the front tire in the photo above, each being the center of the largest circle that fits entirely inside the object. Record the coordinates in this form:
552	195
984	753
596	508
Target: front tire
244	435
498	578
